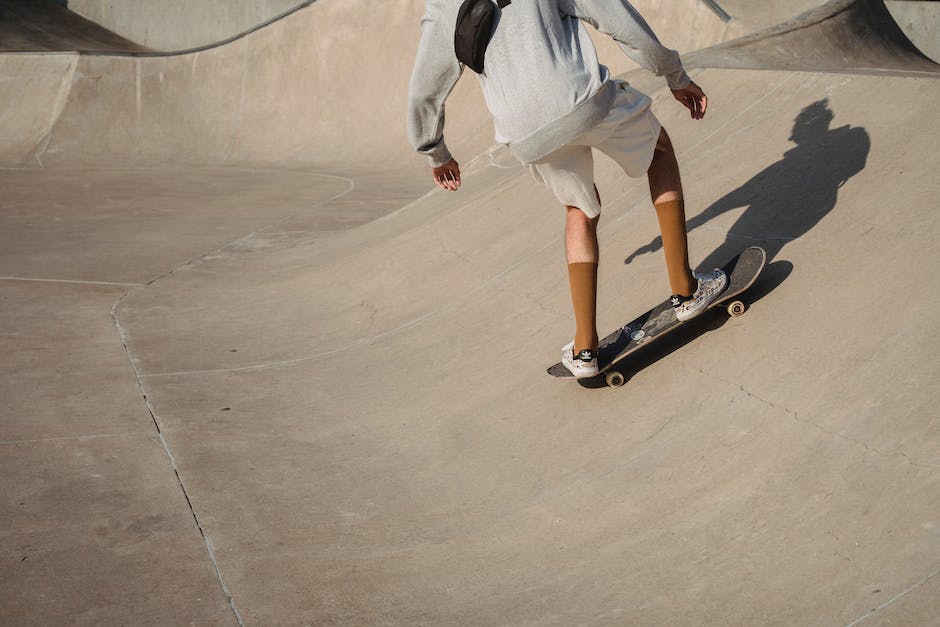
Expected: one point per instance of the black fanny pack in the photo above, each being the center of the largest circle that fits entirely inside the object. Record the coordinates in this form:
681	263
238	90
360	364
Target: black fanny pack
476	21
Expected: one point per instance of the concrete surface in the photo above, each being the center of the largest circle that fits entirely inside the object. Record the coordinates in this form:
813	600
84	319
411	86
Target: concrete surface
920	21
258	372
760	15
181	24
45	25
848	36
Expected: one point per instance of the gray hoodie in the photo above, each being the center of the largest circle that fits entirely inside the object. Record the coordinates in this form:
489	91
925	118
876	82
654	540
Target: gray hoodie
542	81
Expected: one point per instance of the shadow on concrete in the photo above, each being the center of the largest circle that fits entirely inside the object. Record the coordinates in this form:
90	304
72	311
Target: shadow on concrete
784	202
771	278
790	197
49	26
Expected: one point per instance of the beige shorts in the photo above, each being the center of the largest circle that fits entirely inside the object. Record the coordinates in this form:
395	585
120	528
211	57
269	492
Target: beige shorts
628	135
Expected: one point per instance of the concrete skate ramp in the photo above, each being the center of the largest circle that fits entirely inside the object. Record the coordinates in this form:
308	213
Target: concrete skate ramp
840	36
46	25
174	25
258	371
228	104
760	15
134	28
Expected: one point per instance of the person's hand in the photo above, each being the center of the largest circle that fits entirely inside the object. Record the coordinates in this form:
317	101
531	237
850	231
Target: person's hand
447	176
693	99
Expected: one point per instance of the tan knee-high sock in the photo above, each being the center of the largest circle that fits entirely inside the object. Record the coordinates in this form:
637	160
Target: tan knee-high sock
583	280
671	214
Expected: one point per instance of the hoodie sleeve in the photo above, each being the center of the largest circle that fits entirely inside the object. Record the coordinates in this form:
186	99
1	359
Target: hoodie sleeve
435	73
621	21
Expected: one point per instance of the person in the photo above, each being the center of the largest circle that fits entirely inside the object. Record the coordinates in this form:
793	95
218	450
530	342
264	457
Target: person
552	102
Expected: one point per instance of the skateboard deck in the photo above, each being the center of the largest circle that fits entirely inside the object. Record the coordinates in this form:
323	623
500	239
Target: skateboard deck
742	271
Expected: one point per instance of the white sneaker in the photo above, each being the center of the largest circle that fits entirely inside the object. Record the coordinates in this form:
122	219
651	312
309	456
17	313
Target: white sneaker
709	287
582	365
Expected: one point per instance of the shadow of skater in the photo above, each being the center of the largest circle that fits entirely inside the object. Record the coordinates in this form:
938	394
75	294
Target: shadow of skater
790	197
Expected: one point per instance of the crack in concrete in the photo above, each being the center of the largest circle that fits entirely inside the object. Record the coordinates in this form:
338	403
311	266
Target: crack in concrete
373	311
796	417
662	427
449	251
122	332
80	438
895	598
166	449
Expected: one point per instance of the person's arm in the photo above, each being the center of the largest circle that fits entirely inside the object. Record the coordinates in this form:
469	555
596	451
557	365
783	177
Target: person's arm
627	27
435	73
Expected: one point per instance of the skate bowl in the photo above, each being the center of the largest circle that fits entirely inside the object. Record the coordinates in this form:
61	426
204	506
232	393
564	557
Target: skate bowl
260	371
47	26
133	27
847	36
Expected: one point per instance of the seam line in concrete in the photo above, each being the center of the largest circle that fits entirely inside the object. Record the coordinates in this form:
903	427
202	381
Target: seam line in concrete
73	281
79	438
179	480
264	229
362	340
896	597
150	409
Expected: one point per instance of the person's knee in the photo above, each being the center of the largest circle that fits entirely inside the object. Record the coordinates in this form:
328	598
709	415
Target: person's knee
664	143
664	179
578	219
664	156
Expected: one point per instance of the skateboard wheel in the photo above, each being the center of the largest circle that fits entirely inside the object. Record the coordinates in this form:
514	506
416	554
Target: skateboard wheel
736	308
614	379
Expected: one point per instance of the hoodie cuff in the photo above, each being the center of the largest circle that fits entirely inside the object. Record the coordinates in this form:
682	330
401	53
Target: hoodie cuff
438	155
678	79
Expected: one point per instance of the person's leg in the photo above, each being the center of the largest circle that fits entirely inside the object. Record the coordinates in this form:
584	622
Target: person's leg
582	253
569	175
666	193
641	146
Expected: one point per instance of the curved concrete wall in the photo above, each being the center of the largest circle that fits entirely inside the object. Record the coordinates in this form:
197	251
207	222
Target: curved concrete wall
46	26
847	36
33	97
750	16
295	92
306	89
920	22
180	24
223	404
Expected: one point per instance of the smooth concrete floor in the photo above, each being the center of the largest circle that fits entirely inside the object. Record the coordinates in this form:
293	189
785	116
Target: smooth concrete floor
273	397
293	384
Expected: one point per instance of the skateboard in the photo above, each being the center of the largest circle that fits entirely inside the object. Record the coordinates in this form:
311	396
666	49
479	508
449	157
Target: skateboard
742	271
